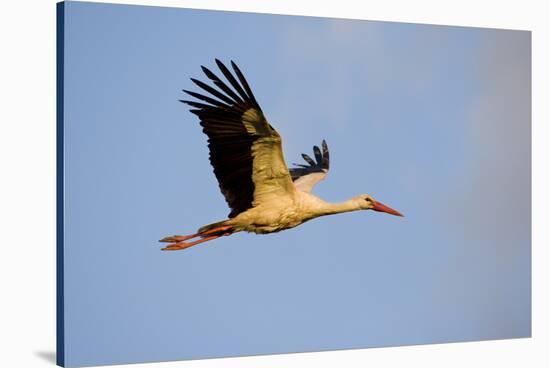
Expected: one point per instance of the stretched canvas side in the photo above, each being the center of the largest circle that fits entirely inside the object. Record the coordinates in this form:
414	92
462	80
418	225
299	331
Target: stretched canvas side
60	325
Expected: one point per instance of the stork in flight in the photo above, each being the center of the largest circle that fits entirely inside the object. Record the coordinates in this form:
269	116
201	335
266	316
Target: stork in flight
246	153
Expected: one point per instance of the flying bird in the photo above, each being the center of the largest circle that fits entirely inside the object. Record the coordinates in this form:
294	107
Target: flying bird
245	151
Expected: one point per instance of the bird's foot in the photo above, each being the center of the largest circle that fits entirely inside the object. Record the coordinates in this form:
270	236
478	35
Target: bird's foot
176	246
177	238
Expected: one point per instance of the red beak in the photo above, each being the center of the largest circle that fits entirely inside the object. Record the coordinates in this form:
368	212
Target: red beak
383	208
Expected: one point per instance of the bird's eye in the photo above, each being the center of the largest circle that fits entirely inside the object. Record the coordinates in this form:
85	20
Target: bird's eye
368	199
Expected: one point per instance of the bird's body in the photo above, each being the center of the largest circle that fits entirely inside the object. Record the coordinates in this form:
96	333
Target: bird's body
246	153
286	213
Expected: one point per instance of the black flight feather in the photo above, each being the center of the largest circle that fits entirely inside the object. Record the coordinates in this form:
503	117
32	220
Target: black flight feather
232	80
229	141
321	163
244	83
212	91
205	98
218	82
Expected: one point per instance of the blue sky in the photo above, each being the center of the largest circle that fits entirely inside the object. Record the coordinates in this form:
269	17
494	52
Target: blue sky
431	120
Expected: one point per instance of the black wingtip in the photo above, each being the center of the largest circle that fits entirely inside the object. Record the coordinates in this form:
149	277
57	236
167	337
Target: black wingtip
326	155
231	79
207	71
318	155
308	159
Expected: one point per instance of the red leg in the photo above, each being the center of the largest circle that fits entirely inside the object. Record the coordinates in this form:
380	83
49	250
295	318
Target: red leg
183	245
180	238
215	230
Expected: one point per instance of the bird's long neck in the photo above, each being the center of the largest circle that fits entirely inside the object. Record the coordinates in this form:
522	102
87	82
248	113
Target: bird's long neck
327	208
312	206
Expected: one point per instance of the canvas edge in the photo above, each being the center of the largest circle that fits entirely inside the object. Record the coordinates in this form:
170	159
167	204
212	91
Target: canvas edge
60	300
60	324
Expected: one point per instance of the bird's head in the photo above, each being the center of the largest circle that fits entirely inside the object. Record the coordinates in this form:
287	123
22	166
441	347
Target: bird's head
366	202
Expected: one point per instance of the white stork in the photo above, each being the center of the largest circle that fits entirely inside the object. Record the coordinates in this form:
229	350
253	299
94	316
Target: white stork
246	153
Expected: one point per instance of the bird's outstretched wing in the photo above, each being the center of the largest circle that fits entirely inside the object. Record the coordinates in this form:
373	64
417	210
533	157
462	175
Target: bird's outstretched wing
305	177
245	150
